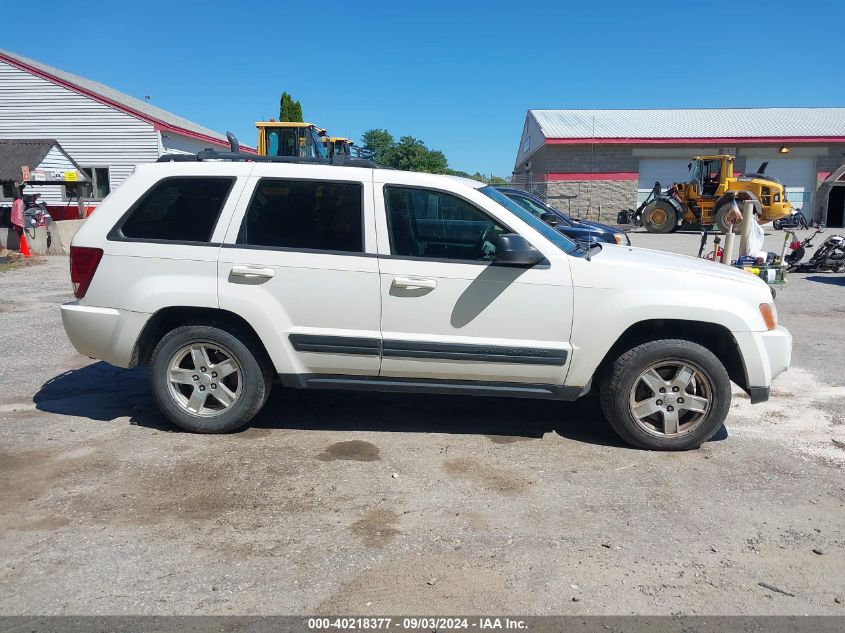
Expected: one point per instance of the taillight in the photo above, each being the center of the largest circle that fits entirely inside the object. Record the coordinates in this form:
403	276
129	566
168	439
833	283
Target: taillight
83	265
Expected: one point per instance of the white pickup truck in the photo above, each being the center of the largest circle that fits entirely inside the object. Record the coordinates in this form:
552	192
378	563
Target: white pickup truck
227	275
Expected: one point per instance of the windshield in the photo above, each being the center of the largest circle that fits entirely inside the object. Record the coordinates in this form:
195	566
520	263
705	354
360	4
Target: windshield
555	237
537	208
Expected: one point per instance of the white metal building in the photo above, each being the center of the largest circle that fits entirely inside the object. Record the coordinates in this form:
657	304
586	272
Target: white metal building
105	131
610	159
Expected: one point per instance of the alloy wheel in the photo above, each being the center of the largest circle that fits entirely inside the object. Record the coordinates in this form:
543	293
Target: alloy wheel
205	379
671	398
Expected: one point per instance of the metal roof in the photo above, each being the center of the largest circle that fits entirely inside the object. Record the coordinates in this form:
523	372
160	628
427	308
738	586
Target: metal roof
727	123
115	97
14	153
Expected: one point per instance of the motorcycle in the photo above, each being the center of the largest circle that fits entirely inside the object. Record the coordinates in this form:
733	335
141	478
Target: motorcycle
794	221
829	257
36	214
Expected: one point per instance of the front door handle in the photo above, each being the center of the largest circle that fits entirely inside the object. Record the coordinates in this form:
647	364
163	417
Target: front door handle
252	272
414	282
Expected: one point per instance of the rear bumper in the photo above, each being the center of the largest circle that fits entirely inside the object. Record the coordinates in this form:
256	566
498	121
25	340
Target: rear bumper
766	355
103	333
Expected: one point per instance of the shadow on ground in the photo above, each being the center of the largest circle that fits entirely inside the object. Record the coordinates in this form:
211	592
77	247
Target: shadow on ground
104	393
833	279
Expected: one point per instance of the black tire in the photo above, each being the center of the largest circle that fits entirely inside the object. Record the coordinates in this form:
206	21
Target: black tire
660	217
776	225
620	380
254	376
720	219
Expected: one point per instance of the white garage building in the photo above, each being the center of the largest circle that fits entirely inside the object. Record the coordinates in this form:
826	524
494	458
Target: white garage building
103	130
610	159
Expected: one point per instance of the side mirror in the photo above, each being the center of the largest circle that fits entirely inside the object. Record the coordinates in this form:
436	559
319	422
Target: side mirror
549	218
515	250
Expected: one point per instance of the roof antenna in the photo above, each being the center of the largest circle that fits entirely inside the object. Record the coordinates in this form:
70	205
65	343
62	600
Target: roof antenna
234	146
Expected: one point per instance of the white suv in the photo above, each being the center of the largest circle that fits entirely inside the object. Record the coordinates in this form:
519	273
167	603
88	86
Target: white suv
225	276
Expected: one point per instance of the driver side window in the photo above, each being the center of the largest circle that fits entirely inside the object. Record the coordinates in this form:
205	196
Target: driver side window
438	225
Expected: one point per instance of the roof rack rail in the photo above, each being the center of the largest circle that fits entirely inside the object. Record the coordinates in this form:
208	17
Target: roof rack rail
235	154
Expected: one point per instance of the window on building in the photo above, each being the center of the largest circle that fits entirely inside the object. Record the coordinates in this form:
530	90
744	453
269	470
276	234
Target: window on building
306	215
97	189
178	209
427	223
7	192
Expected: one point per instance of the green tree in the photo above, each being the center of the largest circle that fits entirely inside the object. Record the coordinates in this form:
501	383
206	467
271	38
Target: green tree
411	154
289	110
379	143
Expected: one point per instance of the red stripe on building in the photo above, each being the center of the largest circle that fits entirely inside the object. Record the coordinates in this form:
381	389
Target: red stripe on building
738	140
603	175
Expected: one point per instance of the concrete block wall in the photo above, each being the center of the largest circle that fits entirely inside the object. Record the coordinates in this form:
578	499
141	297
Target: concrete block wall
594	199
591	197
56	241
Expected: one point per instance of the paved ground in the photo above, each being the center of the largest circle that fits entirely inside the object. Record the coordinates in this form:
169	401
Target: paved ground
370	504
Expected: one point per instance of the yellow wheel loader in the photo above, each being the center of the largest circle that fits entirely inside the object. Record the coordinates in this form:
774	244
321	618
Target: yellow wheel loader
287	138
706	198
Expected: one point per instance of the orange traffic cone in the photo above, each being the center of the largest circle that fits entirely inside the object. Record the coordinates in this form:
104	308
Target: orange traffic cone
24	246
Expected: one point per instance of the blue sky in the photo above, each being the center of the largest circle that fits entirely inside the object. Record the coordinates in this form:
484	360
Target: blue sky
458	75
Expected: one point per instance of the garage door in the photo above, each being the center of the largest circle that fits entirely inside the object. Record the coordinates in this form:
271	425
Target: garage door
662	170
796	174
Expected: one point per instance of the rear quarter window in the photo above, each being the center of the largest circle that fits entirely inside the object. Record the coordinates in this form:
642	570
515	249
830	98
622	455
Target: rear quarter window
179	209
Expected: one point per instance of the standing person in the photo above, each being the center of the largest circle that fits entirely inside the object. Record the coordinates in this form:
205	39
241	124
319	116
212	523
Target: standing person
17	213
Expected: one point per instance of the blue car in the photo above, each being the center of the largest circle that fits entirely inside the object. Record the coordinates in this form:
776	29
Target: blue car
578	230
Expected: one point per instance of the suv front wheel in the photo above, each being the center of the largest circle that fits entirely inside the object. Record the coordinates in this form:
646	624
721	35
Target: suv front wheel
207	380
668	394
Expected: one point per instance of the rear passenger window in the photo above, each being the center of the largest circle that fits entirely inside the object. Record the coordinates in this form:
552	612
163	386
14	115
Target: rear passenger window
306	215
179	210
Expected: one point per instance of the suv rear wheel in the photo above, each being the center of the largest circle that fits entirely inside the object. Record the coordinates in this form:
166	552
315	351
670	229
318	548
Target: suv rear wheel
668	394
207	380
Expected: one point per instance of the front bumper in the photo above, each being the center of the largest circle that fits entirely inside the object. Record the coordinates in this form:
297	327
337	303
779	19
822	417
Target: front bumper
103	333
766	355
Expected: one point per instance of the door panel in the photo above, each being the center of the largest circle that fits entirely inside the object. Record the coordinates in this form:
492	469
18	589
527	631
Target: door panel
312	296
454	319
479	322
317	311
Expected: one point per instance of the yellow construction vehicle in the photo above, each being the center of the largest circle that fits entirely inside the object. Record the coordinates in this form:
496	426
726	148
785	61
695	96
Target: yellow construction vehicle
338	145
707	196
290	138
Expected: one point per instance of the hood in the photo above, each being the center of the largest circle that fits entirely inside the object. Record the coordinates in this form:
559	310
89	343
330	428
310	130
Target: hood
627	264
587	224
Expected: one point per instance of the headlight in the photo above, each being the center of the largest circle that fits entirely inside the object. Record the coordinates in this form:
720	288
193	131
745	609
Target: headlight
619	238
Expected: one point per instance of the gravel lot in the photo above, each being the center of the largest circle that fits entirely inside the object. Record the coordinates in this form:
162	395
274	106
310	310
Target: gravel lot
370	504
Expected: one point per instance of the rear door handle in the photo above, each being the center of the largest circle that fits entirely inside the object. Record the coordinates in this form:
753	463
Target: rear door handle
252	272
414	282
